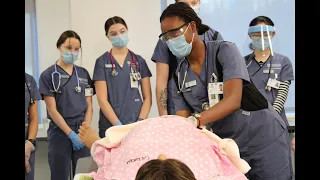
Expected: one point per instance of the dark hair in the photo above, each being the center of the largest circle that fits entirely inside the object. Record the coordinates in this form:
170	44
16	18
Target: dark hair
113	20
186	13
178	0
164	169
65	35
261	19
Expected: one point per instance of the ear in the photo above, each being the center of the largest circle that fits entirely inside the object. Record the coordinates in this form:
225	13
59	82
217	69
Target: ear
249	36
193	26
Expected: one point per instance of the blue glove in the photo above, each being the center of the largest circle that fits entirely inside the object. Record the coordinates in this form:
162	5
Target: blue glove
118	124
76	143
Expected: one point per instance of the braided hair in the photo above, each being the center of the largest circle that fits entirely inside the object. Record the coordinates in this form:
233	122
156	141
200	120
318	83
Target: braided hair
185	13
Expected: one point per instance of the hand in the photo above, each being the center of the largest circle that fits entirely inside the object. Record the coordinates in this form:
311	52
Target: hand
27	165
76	143
28	148
192	120
118	124
87	134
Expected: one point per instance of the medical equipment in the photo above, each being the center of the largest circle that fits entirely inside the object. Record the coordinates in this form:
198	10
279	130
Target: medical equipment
114	72
56	88
180	90
31	99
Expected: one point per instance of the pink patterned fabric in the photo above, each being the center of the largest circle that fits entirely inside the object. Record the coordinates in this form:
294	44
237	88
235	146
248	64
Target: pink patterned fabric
120	157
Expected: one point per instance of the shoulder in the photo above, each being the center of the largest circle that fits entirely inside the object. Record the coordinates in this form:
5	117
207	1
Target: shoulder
247	57
221	44
139	58
48	71
281	57
82	69
29	78
103	57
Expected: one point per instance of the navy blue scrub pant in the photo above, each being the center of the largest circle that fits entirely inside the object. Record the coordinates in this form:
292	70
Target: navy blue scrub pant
61	153
272	162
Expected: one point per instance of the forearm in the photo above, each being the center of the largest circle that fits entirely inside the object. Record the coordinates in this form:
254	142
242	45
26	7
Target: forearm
33	128
89	111
88	114
282	95
108	111
145	109
162	97
220	110
59	121
33	121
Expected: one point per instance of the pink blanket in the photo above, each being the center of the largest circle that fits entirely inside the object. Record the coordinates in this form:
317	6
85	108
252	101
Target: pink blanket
126	148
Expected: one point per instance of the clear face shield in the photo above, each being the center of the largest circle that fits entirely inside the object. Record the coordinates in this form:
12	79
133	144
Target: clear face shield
261	38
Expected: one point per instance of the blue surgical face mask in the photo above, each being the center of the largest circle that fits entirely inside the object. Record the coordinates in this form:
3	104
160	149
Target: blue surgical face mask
69	57
257	43
120	41
179	45
196	9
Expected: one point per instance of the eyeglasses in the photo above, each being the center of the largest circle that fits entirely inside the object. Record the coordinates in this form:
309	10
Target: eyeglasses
70	48
113	34
173	33
258	35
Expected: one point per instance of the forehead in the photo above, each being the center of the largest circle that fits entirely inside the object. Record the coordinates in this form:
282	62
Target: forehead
171	23
116	27
72	42
261	24
189	2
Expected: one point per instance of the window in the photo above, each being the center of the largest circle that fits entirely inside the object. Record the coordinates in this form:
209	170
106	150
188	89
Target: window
31	47
232	18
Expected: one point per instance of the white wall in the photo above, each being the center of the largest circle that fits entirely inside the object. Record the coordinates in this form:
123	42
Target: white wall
87	19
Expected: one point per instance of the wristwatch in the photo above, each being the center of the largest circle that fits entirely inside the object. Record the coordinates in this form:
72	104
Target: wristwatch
198	117
32	141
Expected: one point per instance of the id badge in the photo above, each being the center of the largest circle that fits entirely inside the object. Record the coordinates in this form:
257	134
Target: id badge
134	83
88	92
214	90
273	83
136	76
266	71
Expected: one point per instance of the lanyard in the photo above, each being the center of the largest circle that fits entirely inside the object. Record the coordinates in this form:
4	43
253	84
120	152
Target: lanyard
213	75
131	62
31	99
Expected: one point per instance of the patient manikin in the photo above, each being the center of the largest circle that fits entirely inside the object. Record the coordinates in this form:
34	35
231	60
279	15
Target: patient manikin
126	148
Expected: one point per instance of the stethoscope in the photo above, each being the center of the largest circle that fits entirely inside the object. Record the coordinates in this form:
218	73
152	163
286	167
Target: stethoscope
180	90
77	88
31	99
114	72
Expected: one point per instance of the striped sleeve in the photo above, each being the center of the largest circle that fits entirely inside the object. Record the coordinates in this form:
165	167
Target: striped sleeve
282	95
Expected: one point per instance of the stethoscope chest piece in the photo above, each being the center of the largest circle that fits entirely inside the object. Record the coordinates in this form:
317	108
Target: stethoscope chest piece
78	89
114	72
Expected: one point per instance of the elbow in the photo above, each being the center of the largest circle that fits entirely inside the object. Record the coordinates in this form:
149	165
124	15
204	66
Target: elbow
236	104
